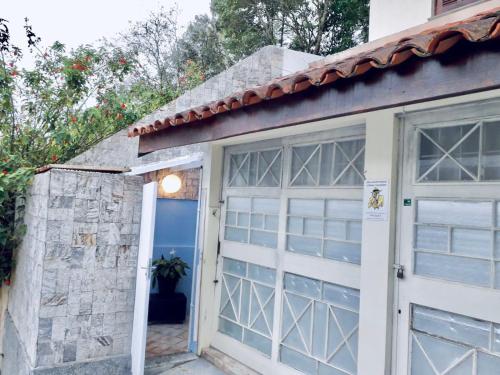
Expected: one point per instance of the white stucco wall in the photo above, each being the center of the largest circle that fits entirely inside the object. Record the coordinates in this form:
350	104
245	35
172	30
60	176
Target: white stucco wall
391	16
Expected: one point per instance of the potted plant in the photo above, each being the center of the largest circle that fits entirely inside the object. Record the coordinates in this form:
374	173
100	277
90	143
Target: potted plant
168	272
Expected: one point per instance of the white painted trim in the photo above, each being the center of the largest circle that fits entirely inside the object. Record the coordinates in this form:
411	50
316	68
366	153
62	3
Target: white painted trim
191	161
143	279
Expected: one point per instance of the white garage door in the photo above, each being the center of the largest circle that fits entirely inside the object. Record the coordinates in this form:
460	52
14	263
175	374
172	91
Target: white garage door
288	296
449	241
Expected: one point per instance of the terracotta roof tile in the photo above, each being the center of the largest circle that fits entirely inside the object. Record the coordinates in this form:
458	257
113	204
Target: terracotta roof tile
482	27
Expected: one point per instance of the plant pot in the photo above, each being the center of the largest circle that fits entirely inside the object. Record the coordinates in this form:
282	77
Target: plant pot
166	286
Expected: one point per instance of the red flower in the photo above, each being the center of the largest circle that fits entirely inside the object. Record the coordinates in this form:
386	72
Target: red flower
13	73
79	67
7	282
123	106
54	158
4	172
73	119
122	61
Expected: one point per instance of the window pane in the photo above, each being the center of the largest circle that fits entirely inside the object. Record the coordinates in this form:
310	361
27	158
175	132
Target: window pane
257	221
336	229
460	162
343	251
303	245
305	165
243	219
490	158
432	238
236	234
230	218
306	207
247	306
272	222
256	341
344	209
266	205
324	325
303	285
451	326
295	225
238	204
466	270
472	242
313	227
260	168
454	212
262	238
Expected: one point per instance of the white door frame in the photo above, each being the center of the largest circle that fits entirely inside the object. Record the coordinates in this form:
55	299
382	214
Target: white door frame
148	217
143	279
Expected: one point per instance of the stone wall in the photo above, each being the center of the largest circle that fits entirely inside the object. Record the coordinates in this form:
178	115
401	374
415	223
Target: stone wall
72	296
261	67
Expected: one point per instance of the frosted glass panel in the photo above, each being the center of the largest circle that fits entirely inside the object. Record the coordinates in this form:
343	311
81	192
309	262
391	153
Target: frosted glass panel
454	213
432	238
266	205
259	342
238	204
452	326
255	169
255	213
462	232
247	303
298	361
261	238
344	209
236	234
466	270
449	343
306	207
490	160
473	242
343	251
304	219
321	321
336	229
341	296
303	285
487	364
496	338
303	245
230	329
497	245
262	274
234	267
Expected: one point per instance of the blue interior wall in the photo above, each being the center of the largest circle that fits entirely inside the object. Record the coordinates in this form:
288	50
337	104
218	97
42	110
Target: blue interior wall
175	229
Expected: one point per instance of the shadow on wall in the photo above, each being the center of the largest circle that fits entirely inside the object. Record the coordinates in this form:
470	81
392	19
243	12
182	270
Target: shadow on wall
175	230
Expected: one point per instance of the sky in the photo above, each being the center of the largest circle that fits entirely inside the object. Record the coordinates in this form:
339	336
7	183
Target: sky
79	22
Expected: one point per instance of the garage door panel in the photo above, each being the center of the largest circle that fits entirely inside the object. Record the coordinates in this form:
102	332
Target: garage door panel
290	253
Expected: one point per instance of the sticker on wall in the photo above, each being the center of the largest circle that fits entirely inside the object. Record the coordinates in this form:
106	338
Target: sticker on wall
376	200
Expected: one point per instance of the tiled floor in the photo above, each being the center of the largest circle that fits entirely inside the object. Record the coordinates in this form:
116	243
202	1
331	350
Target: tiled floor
165	339
198	367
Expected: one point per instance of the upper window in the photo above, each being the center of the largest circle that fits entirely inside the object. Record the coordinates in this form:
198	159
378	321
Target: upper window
469	152
443	6
326	164
255	169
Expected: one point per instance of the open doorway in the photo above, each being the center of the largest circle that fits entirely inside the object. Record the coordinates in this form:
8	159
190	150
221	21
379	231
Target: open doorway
173	253
168	273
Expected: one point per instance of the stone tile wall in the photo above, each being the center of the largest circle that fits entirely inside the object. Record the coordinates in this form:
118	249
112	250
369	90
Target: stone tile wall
190	183
72	295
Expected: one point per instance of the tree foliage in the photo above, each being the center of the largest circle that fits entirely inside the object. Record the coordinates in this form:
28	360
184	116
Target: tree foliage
320	27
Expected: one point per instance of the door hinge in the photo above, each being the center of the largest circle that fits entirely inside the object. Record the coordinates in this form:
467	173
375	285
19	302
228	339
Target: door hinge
400	271
218	248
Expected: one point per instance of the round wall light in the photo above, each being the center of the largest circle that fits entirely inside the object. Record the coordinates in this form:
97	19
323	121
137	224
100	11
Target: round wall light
171	184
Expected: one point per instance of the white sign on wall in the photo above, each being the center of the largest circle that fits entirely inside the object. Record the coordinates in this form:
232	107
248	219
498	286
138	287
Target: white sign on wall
376	200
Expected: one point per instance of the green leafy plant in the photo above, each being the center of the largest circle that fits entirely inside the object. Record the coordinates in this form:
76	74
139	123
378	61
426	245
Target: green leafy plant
172	269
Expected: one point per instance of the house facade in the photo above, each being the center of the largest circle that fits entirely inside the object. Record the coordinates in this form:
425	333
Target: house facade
349	216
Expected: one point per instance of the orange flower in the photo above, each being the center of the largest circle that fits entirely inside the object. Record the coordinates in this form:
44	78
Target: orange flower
73	119
54	158
119	116
123	106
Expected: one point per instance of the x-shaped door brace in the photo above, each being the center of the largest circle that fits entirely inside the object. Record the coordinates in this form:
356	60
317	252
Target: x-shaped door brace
448	153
